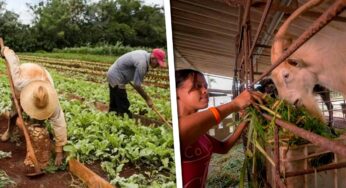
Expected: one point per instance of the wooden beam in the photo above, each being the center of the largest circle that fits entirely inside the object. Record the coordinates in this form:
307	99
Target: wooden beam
201	33
214	6
177	34
203	46
219	59
221	44
203	55
201	16
203	26
196	19
175	4
178	55
226	62
197	27
206	22
202	50
189	54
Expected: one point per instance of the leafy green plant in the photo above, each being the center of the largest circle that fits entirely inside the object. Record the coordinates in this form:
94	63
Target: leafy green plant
5	180
95	136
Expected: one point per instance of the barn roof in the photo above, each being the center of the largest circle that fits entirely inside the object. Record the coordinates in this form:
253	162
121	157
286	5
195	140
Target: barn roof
205	31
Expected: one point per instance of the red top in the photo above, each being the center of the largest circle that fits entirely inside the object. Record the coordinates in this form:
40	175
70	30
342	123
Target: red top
195	162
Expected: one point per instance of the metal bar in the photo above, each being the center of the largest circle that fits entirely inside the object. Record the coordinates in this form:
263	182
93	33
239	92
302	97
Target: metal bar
278	182
316	26
310	171
245	55
247	12
248	31
260	26
246	46
238	47
276	155
311	137
250	57
220	91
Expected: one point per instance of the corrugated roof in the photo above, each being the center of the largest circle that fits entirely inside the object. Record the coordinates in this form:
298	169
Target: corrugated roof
205	31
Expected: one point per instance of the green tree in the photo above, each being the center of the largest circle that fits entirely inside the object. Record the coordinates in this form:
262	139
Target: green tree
15	34
75	23
58	23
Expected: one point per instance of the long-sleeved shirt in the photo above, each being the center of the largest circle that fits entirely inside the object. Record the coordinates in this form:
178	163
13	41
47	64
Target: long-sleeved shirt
22	75
130	66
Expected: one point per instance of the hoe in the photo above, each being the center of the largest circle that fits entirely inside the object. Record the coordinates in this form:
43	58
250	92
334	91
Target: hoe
29	147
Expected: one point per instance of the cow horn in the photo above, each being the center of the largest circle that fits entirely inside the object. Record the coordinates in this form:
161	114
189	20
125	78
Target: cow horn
280	37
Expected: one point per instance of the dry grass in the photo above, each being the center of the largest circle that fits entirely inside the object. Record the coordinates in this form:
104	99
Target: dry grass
224	170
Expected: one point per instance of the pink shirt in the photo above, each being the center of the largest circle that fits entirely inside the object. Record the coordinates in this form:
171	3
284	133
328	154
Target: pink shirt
195	162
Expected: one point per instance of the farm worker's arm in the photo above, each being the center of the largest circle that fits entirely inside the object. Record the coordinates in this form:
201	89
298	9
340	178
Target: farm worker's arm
13	62
145	96
60	133
223	147
192	126
137	82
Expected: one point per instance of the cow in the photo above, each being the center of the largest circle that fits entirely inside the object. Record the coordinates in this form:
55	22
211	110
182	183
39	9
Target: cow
267	85
321	60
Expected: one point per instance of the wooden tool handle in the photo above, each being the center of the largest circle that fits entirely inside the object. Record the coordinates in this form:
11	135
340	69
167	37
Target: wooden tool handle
30	149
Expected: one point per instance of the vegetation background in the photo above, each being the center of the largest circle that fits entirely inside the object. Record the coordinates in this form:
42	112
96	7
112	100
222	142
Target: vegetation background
59	24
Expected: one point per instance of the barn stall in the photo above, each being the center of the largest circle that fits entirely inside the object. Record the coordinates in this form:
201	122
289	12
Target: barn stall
233	39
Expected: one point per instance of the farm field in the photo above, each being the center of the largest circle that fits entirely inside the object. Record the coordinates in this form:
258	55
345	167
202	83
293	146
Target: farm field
127	152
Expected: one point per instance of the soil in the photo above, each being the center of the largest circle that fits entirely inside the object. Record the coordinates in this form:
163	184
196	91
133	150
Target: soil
103	107
339	123
72	96
144	120
127	171
15	169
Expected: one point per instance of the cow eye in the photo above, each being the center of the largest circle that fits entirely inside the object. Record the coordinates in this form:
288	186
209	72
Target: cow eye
292	62
287	75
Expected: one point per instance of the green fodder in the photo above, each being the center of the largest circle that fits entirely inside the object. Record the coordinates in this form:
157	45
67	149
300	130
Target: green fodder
290	113
224	169
261	132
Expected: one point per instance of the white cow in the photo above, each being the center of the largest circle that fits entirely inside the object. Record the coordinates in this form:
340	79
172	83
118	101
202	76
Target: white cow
321	60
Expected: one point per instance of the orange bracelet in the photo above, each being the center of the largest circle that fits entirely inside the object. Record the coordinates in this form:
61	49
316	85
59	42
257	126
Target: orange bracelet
216	114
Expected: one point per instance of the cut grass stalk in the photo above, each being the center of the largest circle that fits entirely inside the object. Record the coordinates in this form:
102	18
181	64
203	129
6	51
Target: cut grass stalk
260	149
270	111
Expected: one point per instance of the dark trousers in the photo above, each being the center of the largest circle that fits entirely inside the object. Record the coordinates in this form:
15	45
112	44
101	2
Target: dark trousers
118	101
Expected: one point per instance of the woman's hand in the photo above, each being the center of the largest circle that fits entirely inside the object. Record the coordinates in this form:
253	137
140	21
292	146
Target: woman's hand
246	98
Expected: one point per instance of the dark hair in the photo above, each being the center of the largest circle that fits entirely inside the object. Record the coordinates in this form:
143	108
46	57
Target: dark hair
183	74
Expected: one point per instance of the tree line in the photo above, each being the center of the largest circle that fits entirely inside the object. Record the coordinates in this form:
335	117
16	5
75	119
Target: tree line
74	23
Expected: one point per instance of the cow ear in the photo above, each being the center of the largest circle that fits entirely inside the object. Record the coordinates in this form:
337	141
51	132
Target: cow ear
296	62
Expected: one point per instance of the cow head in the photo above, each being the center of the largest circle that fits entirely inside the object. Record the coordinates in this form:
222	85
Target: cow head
295	84
292	78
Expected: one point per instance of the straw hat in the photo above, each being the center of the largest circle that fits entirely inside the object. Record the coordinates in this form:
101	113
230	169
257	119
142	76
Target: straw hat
39	99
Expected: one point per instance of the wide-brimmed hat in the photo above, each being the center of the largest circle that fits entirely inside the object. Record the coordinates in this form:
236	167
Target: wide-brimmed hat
160	55
39	99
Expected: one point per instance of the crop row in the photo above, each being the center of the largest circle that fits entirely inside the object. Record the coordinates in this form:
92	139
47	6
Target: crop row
84	64
150	79
114	141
